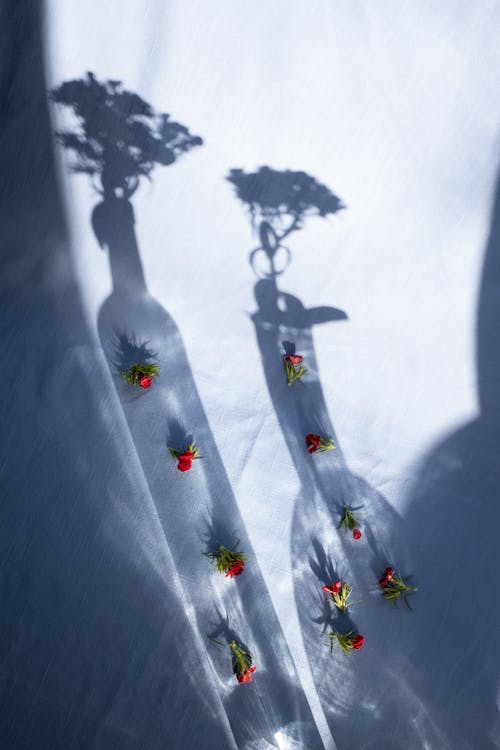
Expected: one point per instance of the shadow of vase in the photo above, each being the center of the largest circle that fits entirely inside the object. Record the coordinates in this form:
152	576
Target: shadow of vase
116	139
171	414
87	659
346	688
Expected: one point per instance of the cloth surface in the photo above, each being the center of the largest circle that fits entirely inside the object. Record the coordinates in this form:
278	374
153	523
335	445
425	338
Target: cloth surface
325	185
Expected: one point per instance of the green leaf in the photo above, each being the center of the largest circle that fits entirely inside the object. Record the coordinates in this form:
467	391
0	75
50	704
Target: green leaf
242	660
348	522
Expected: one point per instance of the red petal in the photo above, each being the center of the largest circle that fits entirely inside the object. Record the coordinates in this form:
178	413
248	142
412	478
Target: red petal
245	676
236	569
358	642
185	463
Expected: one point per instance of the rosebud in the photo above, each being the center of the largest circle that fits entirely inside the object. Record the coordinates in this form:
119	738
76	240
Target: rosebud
333	589
294	359
185	461
246	676
313	442
236	569
358	642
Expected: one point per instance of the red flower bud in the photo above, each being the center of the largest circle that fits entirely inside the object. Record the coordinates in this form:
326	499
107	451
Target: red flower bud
146	382
313	442
236	569
383	582
185	461
358	642
389	573
295	359
334	588
357	533
246	676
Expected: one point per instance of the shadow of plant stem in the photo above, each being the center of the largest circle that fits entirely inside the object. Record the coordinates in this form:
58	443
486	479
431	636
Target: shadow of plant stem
281	200
322	567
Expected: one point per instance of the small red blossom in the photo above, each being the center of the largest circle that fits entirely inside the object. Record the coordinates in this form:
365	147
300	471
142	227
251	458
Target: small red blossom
294	359
395	588
141	374
185	461
236	569
246	676
313	442
357	534
333	589
358	642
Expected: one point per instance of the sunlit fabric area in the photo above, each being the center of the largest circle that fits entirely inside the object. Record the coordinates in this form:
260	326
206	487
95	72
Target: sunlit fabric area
250	316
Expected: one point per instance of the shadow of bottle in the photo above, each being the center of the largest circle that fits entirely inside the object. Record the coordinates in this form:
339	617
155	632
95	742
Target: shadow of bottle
87	661
453	517
282	201
170	414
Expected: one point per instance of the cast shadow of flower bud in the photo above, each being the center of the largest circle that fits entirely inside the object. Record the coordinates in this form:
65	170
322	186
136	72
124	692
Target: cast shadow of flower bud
325	618
218	532
322	567
127	349
178	436
289	348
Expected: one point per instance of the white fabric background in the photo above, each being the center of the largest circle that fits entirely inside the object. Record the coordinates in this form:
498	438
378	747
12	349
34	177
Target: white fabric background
394	107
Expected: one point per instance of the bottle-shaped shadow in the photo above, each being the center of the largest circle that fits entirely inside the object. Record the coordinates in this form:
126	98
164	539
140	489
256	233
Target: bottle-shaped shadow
118	141
453	517
279	202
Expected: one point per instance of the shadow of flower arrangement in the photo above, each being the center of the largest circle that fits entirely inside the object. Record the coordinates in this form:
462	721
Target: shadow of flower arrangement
118	136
